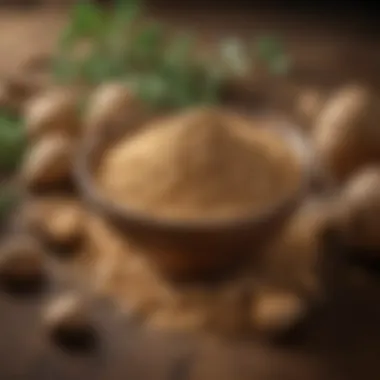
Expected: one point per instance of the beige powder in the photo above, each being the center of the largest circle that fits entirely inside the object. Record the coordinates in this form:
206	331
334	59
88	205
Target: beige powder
204	163
231	308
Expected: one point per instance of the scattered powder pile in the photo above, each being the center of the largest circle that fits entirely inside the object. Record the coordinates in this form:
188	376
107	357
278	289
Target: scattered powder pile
241	306
124	275
203	163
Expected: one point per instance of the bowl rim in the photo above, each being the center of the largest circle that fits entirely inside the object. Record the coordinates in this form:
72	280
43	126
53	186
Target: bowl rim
291	135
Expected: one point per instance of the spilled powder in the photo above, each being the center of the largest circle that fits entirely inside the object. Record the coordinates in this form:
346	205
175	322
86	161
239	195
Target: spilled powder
116	269
231	308
204	163
122	273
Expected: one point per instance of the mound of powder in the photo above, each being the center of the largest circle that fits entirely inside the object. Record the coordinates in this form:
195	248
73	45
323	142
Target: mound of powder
204	163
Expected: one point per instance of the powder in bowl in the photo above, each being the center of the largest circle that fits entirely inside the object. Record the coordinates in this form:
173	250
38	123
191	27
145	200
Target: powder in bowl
204	163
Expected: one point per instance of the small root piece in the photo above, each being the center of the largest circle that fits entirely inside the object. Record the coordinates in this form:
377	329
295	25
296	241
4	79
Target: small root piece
59	223
48	163
69	325
22	270
274	313
113	104
53	110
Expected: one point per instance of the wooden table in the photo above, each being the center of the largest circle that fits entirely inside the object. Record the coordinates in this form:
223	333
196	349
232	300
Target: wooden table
344	344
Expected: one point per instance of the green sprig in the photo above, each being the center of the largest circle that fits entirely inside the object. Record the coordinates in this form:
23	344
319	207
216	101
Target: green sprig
163	73
12	142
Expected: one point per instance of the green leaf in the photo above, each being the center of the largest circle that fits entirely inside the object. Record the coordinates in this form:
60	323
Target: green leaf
12	142
126	11
67	38
146	46
153	89
65	69
281	65
87	19
119	32
269	47
9	198
212	86
180	50
178	69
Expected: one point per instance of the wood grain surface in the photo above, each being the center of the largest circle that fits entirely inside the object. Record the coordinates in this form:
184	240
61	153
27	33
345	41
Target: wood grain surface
344	344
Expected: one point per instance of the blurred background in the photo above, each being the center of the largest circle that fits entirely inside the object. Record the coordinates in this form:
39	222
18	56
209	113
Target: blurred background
330	42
